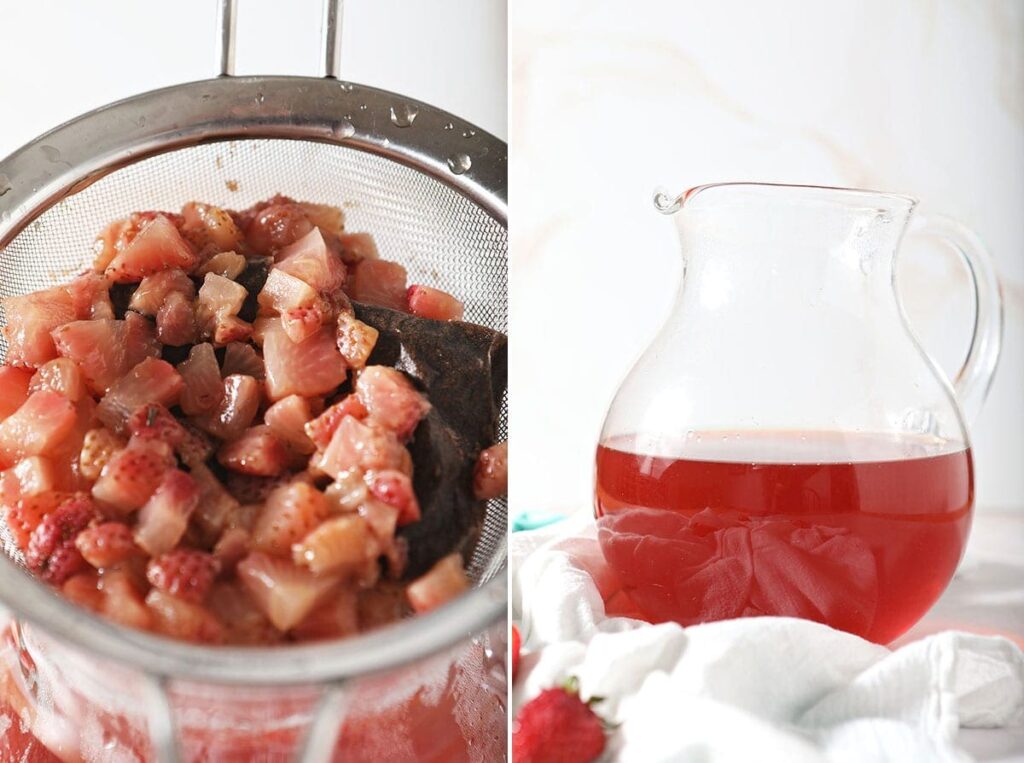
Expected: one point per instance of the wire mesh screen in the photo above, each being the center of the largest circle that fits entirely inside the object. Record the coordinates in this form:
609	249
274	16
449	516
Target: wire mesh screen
441	237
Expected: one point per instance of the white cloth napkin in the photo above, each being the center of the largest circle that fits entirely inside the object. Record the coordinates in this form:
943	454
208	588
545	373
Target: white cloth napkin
764	689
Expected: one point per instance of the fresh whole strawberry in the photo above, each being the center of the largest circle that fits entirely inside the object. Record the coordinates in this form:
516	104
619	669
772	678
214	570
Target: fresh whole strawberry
557	726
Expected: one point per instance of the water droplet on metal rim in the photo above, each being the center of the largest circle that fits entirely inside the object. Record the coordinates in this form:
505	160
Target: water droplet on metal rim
344	130
459	163
403	115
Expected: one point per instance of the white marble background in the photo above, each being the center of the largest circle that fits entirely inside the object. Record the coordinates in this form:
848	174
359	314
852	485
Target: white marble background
610	99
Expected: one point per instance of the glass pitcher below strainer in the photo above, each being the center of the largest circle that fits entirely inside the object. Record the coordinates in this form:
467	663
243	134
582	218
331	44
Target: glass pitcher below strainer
785	446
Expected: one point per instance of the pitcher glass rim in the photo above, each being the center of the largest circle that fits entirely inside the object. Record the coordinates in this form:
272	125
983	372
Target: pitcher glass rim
668	204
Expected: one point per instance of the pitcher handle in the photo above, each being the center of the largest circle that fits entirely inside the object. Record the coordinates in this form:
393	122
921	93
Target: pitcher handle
974	379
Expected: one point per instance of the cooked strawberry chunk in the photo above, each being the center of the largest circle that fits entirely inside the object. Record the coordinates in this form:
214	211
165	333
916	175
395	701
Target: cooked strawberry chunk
311	367
156	422
239	403
83	590
330	220
381	518
156	288
395	489
284	592
337	544
133	474
98	446
241	358
122	600
60	375
210	228
348	492
283	291
203	388
157	246
216	505
321	429
356	340
14	383
289	514
435	304
24	517
38	427
243	621
106	350
31	476
106	544
151	381
356	445
180	619
336	617
490	476
257	451
356	247
287	419
217	306
164	517
227	264
309	260
31	319
379	282
51	552
441	584
391	400
176	321
184	572
277	225
90	296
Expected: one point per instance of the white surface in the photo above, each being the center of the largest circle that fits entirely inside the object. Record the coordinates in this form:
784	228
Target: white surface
60	58
777	688
923	97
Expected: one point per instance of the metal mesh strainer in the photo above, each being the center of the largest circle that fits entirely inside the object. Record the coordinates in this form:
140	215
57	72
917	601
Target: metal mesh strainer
430	188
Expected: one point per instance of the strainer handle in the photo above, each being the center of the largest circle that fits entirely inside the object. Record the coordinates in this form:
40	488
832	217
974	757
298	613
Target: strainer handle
330	33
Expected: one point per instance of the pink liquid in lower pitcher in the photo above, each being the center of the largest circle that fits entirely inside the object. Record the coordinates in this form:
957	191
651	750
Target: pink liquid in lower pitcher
861	532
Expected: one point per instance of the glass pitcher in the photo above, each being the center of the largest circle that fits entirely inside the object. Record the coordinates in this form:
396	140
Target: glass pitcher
785	446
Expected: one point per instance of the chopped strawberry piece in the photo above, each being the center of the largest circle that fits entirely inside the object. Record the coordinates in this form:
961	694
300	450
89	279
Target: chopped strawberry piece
98	446
356	247
51	552
83	590
276	226
164	517
38	427
157	246
309	260
217	308
441	584
14	383
31	318
395	489
300	323
381	518
380	606
29	477
311	367
90	297
348	492
341	543
243	621
203	388
236	410
283	291
216	505
176	321
122	601
284	592
289	514
111	240
156	288
356	445
379	282
241	358
321	429
132	475
391	399
184	572
151	381
60	375
106	350
232	547
336	617
106	544
328	219
257	451
210	228
356	340
435	304
490	476
287	419
181	619
227	264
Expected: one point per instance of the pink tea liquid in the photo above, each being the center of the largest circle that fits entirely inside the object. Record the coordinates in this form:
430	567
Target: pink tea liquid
861	532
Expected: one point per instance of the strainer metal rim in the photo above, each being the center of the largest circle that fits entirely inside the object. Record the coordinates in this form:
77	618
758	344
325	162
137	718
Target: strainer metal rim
79	152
